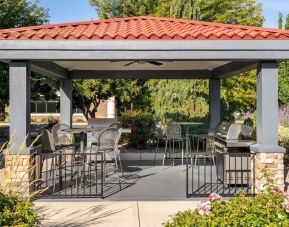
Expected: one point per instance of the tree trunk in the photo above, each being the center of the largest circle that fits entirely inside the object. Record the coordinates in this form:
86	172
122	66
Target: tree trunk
2	113
88	107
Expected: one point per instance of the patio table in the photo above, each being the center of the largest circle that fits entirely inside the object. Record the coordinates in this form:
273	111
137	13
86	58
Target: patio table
82	132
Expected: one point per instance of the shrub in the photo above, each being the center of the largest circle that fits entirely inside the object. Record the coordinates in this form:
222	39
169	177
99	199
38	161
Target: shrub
16	208
142	126
269	208
16	211
283	116
283	133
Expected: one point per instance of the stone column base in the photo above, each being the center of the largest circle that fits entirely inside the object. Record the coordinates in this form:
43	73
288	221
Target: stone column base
19	174
269	168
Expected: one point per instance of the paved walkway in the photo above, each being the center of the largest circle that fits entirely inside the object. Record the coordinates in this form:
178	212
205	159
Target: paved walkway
109	214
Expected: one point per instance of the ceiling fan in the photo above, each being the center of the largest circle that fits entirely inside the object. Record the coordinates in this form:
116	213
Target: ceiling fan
142	62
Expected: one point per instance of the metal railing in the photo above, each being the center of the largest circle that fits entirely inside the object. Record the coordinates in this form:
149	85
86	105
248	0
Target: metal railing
224	173
70	175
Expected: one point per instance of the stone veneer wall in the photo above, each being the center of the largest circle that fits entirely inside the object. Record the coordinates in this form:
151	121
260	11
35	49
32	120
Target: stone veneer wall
19	173
271	164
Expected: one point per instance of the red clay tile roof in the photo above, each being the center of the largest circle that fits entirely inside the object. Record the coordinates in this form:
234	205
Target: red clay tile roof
143	28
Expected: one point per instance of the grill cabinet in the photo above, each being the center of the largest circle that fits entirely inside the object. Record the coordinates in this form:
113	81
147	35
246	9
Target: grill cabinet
233	159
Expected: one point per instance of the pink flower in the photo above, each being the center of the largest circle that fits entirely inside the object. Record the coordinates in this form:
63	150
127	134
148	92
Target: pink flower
205	208
214	197
286	205
277	190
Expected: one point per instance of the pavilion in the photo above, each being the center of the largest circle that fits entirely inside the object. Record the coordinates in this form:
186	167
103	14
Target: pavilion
186	49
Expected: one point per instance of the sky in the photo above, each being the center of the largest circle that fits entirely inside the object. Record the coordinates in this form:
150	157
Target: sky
62	11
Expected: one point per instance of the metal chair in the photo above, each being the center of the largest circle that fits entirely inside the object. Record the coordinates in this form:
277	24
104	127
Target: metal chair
107	143
208	148
174	134
61	138
118	126
59	159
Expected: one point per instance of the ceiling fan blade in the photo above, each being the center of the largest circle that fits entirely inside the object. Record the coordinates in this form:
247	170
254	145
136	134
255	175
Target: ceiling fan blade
155	63
129	63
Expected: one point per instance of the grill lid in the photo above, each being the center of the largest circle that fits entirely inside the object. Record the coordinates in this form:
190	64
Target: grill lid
239	132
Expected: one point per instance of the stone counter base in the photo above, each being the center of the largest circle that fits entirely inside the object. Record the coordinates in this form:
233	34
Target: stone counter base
18	174
269	166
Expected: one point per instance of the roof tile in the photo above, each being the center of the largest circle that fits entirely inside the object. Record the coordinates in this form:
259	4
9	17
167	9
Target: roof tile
143	28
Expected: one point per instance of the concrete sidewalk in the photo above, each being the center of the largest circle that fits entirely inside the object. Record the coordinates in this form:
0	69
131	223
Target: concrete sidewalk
110	214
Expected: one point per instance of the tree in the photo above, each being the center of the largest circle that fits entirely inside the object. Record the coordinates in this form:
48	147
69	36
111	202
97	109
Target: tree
43	87
280	21
124	8
179	99
284	73
20	13
283	83
287	23
239	92
16	13
189	9
245	12
88	94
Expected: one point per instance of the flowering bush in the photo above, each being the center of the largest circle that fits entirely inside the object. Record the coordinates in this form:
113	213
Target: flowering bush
269	208
205	208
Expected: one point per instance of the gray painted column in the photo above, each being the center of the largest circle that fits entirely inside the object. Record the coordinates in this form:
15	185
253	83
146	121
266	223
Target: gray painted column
19	103
267	108
215	103
66	102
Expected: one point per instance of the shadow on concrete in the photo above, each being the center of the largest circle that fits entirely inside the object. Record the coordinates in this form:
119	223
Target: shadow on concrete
91	215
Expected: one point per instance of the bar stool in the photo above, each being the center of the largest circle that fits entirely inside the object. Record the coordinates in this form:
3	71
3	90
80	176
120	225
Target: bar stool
174	134
208	148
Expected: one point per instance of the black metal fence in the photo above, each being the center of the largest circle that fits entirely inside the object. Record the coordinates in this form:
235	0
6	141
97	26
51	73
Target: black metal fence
48	107
71	175
224	173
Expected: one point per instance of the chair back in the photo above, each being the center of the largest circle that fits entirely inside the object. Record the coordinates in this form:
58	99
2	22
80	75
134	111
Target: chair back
174	131
108	138
118	126
47	141
61	137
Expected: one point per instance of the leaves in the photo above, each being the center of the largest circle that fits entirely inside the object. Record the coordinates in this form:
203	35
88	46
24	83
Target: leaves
265	209
239	92
124	8
17	211
174	100
88	94
19	13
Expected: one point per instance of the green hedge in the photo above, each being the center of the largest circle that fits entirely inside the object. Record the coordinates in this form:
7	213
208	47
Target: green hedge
142	126
17	211
269	208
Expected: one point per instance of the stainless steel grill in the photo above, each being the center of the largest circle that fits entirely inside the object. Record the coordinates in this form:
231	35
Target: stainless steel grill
236	140
233	136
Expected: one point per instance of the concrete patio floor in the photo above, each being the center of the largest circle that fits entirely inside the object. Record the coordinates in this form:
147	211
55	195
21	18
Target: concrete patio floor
109	214
152	194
